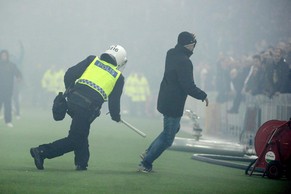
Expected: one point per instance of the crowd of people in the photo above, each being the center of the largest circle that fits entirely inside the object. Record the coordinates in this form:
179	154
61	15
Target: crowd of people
267	72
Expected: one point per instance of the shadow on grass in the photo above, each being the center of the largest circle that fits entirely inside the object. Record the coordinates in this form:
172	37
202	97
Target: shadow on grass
68	170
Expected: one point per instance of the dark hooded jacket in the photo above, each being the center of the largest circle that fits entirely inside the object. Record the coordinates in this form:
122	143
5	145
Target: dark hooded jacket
178	83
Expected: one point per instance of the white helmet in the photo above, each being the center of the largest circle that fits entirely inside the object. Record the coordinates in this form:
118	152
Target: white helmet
118	53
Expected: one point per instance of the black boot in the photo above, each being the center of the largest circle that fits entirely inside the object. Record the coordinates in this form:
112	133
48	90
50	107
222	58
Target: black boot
38	158
80	168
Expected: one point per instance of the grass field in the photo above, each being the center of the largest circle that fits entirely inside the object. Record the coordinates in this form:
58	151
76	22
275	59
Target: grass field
114	158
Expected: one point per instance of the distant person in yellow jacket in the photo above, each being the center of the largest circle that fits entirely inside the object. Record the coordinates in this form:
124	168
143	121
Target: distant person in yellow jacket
52	82
138	90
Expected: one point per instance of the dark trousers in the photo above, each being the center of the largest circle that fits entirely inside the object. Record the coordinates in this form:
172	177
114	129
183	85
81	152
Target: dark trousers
77	139
163	141
6	100
16	99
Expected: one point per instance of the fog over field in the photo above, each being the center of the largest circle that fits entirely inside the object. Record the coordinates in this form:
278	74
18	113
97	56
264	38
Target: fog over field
61	33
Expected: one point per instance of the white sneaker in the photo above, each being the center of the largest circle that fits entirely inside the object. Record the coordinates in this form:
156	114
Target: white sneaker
142	168
9	125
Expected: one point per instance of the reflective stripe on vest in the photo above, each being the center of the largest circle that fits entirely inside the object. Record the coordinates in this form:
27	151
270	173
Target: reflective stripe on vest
100	76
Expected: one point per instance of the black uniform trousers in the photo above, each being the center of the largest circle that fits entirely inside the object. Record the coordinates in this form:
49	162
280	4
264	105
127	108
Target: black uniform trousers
77	139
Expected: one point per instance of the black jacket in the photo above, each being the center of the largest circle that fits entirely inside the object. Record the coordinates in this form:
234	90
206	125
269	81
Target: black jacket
76	71
178	83
8	71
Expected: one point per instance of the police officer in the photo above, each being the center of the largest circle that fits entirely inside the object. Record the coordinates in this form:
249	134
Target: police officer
138	90
90	83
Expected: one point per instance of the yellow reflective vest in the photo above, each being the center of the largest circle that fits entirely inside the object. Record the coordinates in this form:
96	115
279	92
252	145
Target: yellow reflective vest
100	76
137	88
52	81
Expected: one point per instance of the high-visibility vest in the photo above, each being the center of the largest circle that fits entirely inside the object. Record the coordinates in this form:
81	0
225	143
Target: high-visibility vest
137	88
129	87
100	76
52	81
47	80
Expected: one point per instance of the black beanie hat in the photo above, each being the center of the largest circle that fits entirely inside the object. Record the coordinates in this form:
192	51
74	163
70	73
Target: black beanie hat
185	38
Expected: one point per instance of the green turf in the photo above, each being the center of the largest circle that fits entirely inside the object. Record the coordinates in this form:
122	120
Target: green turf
114	158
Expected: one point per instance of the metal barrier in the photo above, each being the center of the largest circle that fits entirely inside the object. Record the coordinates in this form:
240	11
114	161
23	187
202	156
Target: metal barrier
253	112
276	108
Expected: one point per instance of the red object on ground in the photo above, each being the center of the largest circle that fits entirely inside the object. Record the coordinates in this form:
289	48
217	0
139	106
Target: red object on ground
273	148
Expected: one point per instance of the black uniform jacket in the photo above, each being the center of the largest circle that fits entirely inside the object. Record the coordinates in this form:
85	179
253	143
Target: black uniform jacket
177	83
76	71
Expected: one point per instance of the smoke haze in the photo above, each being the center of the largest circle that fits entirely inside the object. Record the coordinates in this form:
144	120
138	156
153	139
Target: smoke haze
64	32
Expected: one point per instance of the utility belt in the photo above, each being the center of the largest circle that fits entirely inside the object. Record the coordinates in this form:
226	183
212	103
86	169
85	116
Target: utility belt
82	101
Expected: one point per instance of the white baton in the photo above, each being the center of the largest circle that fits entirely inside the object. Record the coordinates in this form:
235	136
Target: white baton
133	128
